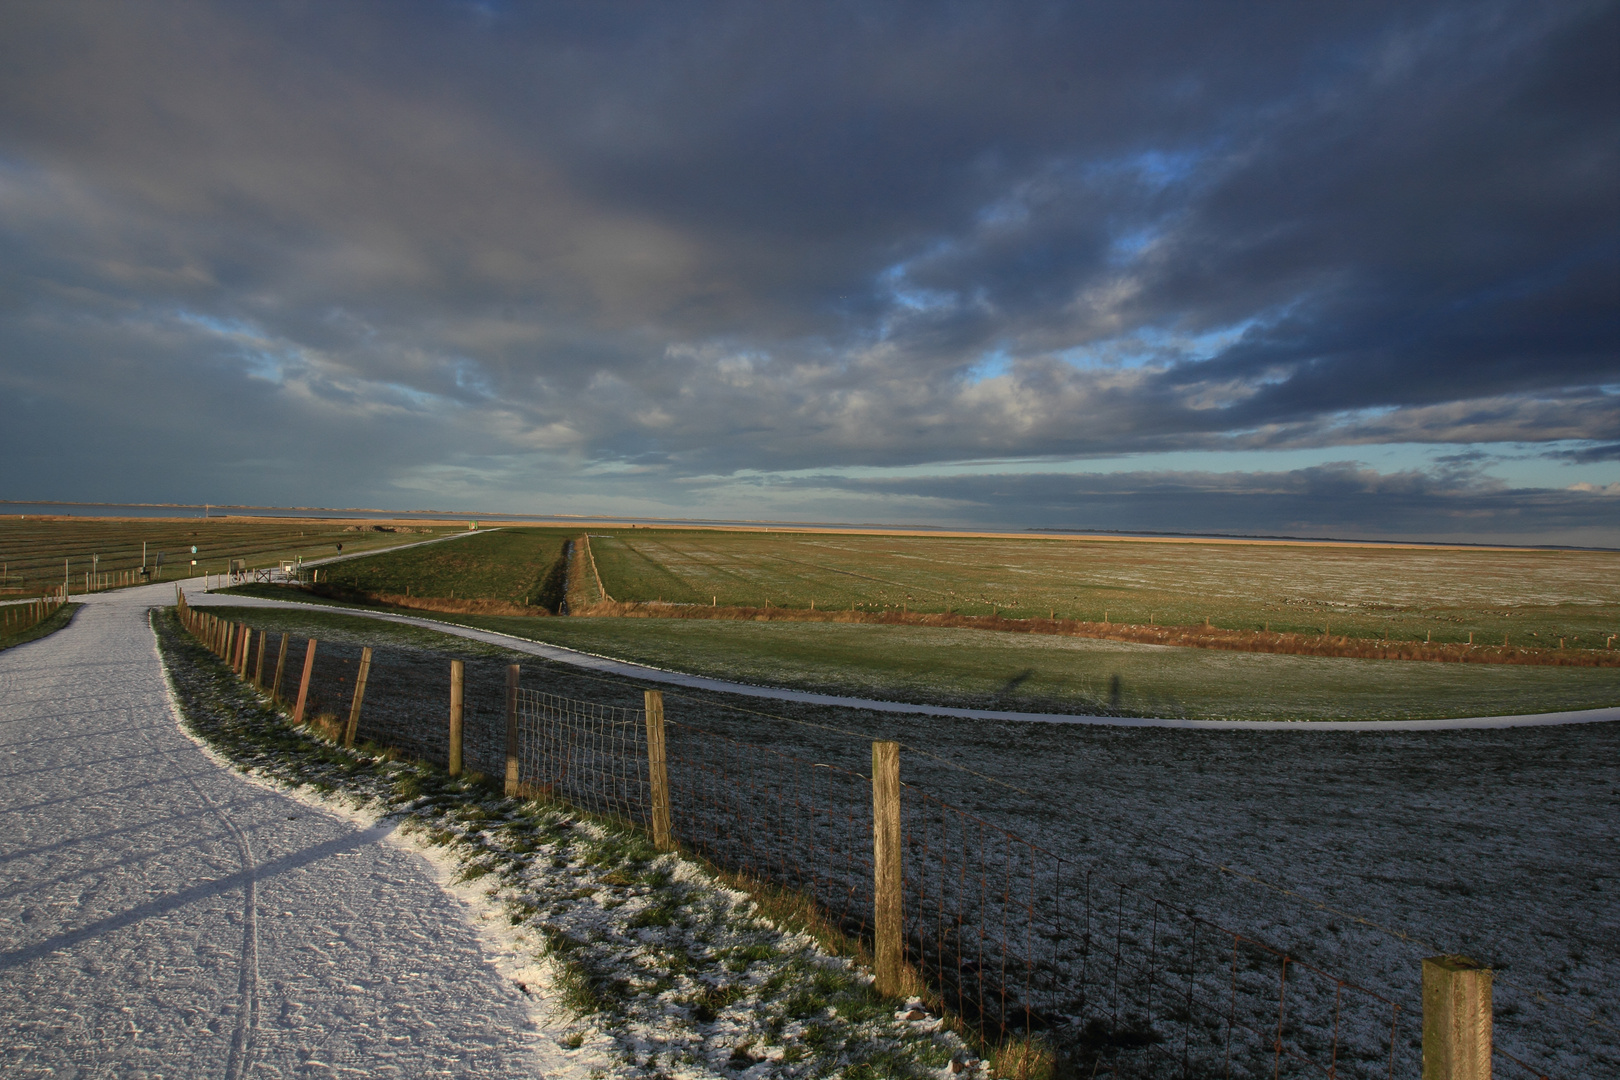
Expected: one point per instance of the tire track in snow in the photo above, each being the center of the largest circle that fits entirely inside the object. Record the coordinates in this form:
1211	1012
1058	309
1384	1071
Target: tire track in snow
247	985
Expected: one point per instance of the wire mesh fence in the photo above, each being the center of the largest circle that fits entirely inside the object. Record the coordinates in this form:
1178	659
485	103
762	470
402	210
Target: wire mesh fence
590	756
1016	939
1024	941
801	824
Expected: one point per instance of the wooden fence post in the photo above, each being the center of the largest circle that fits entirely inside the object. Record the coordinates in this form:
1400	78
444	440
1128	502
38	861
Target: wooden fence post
458	691
303	684
657	771
258	665
886	874
512	729
1456	1019
281	665
359	695
247	647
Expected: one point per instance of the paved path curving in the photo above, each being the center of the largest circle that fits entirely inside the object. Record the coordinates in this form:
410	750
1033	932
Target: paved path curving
608	665
160	915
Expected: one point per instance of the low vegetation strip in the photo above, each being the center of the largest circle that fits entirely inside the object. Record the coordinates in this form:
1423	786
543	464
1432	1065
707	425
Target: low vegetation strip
28	622
1202	637
666	968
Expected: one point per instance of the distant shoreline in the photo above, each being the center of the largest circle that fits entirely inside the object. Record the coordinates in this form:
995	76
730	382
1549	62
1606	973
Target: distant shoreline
50	508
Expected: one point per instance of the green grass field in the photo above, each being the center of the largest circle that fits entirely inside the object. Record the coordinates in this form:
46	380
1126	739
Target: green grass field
1033	673
503	564
32	550
1027	672
1408	593
1536	596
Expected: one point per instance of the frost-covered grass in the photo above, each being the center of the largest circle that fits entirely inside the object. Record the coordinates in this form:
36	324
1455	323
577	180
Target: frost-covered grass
664	969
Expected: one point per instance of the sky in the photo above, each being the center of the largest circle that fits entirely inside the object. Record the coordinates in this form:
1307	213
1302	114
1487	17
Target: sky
1291	269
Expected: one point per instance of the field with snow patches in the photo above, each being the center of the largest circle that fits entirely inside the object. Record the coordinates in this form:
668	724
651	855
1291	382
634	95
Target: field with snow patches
1501	844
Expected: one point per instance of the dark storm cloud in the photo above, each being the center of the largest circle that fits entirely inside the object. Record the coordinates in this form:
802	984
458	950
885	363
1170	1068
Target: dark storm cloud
507	242
1341	500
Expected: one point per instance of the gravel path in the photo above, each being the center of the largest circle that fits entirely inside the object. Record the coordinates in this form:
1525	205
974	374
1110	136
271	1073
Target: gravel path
161	915
610	666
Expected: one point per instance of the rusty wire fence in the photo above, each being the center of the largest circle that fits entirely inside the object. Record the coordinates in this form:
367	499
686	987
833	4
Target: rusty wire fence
1018	940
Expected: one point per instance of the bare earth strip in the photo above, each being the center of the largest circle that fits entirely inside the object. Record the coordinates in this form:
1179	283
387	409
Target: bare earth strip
162	915
608	665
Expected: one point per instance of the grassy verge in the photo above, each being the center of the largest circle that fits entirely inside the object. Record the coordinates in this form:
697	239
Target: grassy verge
658	959
987	669
49	625
1023	672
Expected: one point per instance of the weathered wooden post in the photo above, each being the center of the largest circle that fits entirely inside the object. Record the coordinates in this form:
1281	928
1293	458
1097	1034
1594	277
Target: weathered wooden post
303	684
886	875
359	696
258	664
512	673
658	771
1456	1019
281	665
458	697
247	648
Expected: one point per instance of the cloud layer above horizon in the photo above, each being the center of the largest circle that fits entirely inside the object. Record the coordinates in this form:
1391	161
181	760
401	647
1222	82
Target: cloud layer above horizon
1295	268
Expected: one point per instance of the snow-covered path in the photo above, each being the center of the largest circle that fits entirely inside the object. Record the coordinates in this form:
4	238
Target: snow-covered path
161	915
